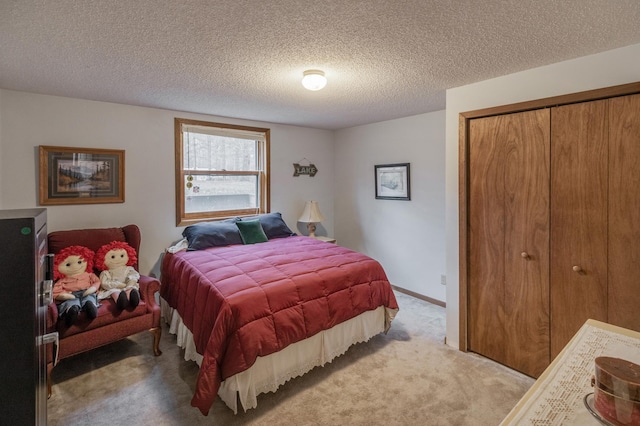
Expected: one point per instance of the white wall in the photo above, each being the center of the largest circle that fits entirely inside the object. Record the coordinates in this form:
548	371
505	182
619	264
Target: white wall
406	237
147	136
610	68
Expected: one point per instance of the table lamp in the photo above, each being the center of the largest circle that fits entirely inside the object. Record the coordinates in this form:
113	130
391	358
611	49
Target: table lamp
311	215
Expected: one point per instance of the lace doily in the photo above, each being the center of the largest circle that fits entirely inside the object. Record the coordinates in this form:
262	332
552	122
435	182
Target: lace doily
557	397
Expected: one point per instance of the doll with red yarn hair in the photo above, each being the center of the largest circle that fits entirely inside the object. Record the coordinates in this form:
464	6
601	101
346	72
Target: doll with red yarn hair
118	278
75	283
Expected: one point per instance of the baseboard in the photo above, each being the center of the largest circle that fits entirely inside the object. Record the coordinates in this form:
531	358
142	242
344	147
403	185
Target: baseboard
419	296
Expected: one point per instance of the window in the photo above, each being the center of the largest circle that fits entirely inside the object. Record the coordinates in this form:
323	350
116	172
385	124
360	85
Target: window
222	171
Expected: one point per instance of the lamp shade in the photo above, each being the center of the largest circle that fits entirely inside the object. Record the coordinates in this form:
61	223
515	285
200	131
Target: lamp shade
311	213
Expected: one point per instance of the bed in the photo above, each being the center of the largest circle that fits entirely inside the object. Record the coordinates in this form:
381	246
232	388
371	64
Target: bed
256	314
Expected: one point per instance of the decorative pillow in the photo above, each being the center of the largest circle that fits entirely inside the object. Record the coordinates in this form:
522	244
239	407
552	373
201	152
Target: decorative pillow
273	225
251	231
209	234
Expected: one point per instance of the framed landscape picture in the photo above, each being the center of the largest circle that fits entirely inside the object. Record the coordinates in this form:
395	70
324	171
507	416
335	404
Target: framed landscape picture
393	182
81	175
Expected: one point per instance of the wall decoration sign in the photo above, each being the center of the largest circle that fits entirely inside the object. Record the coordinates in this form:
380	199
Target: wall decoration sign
393	182
81	175
309	169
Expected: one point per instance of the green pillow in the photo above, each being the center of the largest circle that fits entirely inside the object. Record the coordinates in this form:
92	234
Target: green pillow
251	232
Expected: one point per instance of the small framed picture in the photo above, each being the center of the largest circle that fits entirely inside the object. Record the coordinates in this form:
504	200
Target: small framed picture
81	175
393	182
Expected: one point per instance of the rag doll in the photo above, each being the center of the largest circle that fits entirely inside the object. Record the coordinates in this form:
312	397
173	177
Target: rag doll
75	283
118	278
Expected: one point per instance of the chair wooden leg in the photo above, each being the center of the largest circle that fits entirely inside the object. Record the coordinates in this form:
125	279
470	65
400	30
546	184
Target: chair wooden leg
157	333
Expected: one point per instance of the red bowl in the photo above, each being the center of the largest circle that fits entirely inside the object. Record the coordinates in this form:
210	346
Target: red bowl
616	410
617	391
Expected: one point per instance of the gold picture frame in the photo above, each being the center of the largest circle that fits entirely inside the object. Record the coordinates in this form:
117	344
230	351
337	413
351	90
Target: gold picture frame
80	175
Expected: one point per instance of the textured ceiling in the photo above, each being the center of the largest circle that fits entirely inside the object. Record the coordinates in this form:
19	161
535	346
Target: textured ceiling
384	59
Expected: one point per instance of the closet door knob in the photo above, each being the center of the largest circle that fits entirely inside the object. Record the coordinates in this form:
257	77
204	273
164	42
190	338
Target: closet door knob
576	268
524	255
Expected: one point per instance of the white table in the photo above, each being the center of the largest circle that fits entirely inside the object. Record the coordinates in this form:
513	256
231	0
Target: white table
556	398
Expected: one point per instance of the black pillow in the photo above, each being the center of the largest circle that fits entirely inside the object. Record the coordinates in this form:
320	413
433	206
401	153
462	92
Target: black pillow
273	225
209	234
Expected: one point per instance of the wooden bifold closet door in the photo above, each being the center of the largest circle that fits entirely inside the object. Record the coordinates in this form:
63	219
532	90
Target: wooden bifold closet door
624	212
509	162
579	191
553	227
595	216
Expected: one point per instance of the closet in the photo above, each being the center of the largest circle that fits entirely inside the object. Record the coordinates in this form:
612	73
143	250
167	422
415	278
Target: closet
508	266
550	225
579	189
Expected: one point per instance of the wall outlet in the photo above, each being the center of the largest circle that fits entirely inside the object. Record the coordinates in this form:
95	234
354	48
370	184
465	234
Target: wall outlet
443	279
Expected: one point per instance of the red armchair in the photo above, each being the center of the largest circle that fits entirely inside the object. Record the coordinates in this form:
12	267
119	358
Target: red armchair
111	324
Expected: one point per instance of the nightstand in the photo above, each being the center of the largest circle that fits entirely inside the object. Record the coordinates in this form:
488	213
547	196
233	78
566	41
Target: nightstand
326	239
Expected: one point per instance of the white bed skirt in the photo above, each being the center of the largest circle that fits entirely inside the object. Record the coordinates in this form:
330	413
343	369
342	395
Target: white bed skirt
268	373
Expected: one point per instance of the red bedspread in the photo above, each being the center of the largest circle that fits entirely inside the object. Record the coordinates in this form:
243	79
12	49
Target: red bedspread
245	301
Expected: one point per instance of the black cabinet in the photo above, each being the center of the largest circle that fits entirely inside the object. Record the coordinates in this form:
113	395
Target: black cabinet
25	289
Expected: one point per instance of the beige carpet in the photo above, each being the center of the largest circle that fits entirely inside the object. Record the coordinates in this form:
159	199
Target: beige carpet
407	377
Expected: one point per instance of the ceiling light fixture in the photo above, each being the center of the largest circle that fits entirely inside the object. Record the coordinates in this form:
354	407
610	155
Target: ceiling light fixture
314	79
